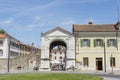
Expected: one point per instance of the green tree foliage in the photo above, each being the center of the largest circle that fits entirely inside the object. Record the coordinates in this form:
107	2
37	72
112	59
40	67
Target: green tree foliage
2	31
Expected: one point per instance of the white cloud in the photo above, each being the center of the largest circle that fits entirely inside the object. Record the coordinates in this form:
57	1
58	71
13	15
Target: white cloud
67	24
33	26
37	17
83	1
89	1
7	21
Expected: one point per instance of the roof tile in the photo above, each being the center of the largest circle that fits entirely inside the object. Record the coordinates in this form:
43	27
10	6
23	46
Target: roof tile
94	28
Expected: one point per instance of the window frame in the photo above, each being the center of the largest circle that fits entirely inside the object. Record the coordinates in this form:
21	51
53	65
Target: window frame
1	42
98	42
1	54
85	42
111	42
85	61
112	62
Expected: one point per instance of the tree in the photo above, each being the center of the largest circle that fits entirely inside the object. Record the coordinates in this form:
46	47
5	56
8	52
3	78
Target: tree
2	31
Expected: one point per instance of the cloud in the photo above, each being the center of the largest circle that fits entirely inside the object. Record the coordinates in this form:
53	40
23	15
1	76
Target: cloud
37	17
67	24
7	21
89	1
33	9
83	1
34	27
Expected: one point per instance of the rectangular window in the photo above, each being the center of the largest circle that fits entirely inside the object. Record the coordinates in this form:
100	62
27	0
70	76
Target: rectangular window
60	53
1	52
98	42
1	42
111	42
85	62
55	53
60	57
112	62
55	57
85	43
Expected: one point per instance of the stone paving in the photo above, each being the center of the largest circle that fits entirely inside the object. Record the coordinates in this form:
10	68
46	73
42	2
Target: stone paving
109	78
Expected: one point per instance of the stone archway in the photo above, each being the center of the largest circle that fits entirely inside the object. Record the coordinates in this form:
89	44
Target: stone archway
57	53
52	38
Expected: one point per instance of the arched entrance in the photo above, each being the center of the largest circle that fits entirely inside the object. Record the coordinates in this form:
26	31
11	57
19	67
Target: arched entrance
57	48
57	53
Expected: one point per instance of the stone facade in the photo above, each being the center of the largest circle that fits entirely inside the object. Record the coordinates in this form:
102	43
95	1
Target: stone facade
52	38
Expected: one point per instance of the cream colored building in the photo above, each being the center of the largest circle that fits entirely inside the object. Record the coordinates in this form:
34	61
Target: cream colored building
97	46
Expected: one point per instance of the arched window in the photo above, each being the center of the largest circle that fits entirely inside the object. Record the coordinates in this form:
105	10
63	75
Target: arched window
1	52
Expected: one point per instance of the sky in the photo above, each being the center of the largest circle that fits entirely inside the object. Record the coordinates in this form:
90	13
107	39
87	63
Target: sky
27	19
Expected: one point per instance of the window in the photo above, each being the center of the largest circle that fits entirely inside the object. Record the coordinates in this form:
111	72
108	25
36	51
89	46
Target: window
55	57
55	53
1	52
85	62
85	42
60	53
111	42
60	57
1	42
112	62
98	42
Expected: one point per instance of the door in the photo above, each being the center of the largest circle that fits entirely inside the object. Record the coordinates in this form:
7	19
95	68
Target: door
99	65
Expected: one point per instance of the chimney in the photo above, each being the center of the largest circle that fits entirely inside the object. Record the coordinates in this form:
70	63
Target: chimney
90	22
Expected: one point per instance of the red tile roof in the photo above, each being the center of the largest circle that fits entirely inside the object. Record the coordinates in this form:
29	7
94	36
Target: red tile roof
94	28
2	35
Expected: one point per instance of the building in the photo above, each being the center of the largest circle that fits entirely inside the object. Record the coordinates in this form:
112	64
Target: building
97	46
57	37
57	57
92	47
13	53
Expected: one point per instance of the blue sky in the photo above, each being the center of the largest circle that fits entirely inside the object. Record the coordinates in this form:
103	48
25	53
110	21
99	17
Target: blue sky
26	19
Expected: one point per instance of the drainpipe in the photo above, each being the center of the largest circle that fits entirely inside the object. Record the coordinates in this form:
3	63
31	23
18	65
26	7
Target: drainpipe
104	57
8	63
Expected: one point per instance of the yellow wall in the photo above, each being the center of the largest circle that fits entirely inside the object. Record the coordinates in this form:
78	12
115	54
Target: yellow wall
97	52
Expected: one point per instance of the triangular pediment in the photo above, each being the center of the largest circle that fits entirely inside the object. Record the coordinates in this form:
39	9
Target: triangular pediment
57	32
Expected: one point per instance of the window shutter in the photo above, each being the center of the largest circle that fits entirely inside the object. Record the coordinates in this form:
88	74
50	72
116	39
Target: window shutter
108	41
94	42
88	42
115	43
81	43
102	43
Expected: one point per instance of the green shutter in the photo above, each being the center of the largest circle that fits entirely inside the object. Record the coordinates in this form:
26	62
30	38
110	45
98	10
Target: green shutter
102	43
81	43
108	45
88	42
94	42
115	43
